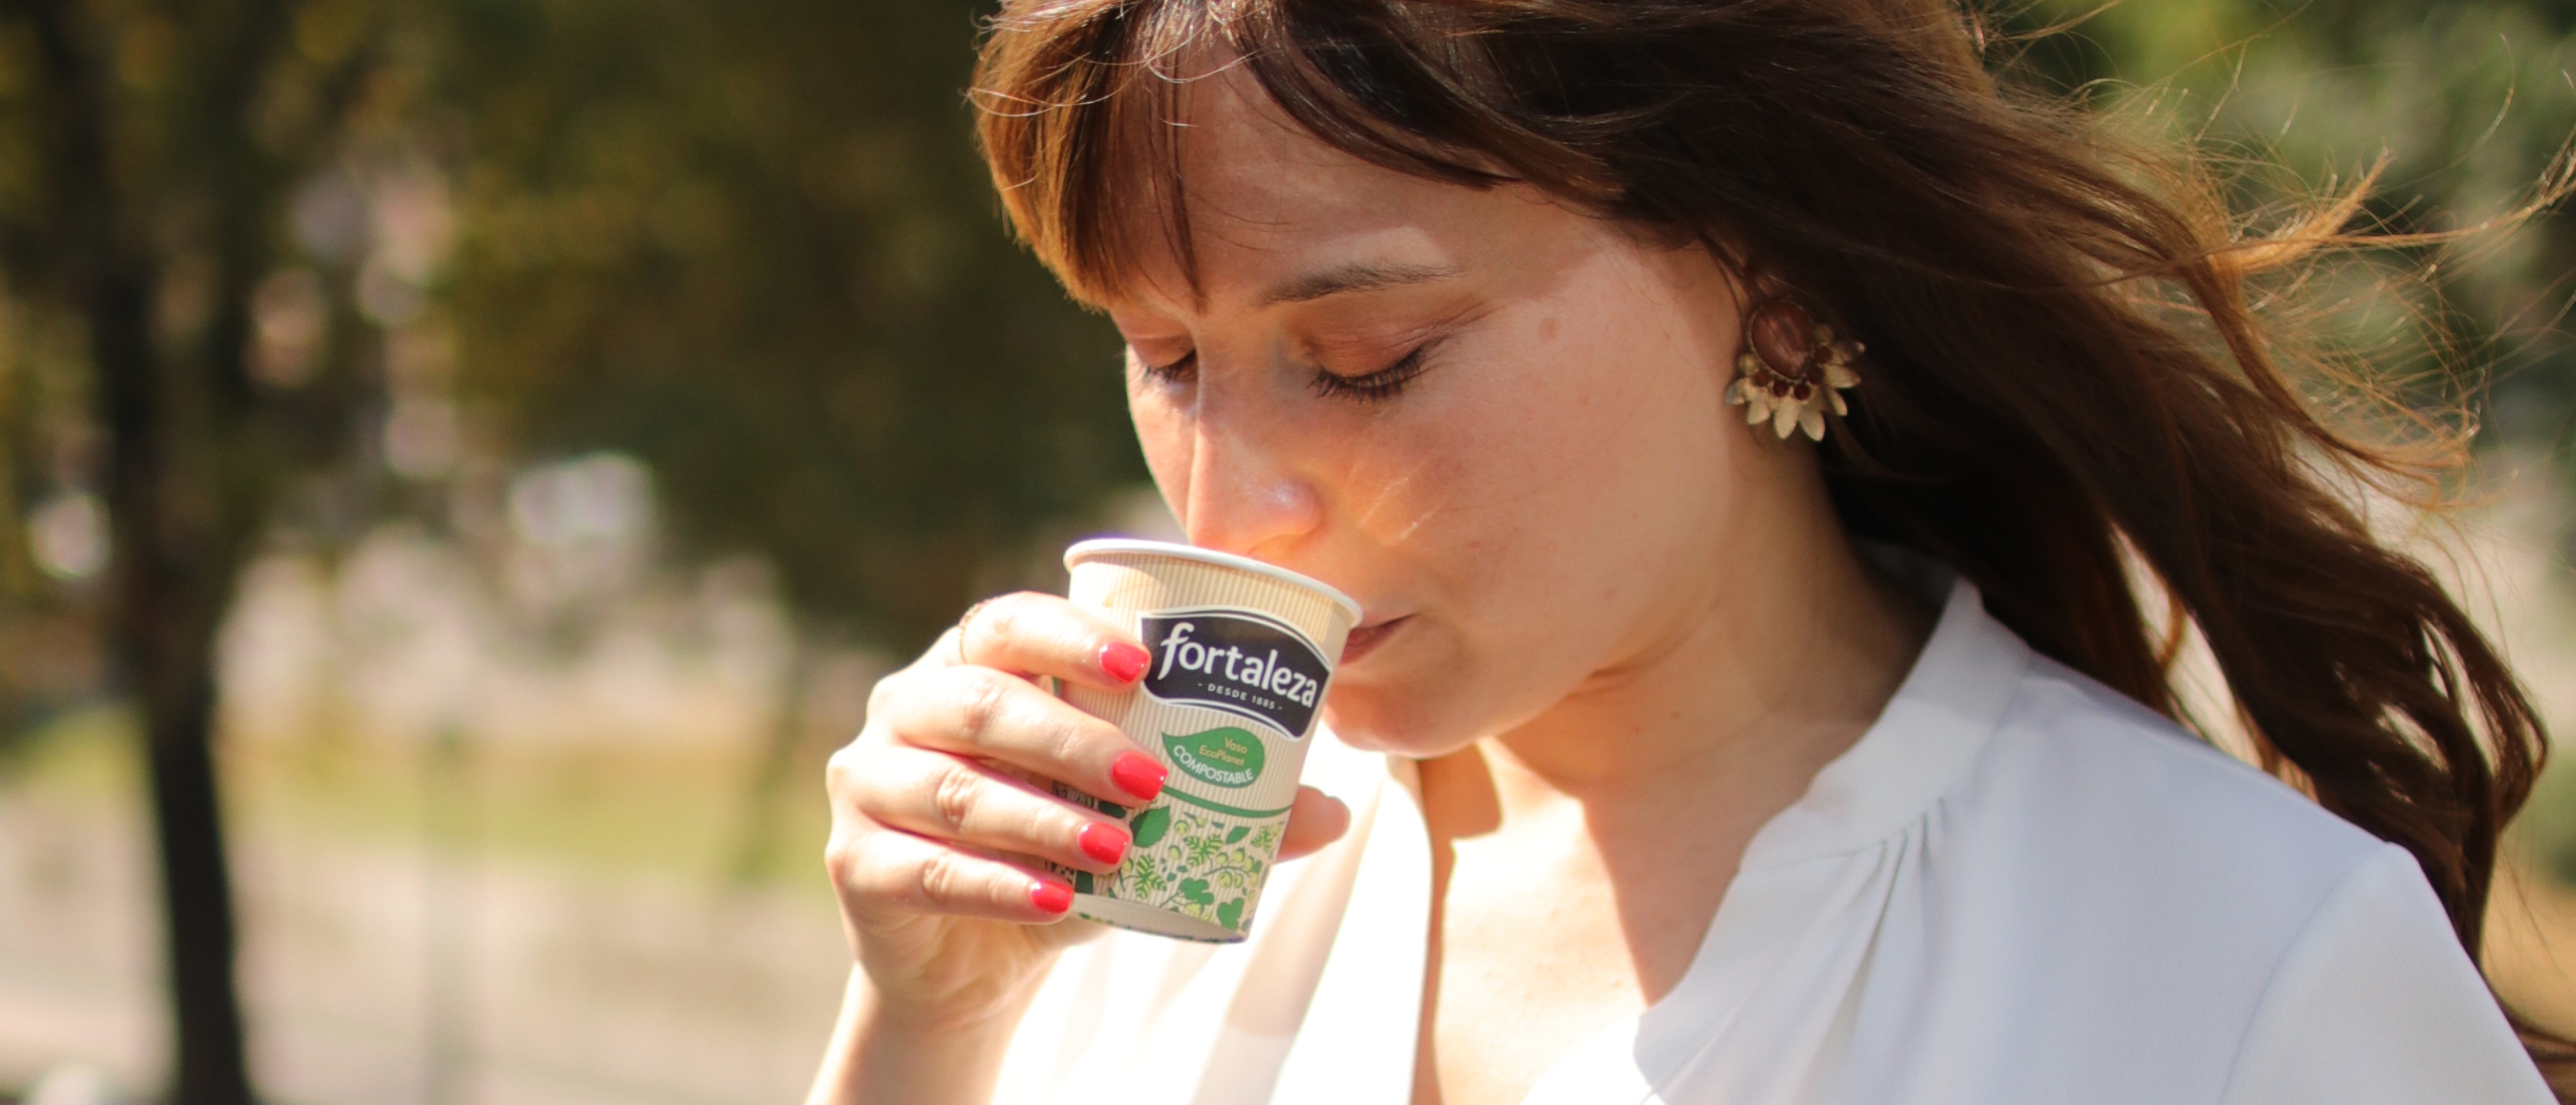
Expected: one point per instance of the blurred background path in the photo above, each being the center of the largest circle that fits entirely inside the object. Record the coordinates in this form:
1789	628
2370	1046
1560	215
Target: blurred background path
608	911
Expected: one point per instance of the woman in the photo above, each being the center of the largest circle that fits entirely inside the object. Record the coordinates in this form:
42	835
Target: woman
1750	435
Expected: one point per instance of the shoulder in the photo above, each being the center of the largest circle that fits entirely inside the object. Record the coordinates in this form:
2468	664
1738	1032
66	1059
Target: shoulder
2376	1002
2155	906
2079	777
2105	828
2101	907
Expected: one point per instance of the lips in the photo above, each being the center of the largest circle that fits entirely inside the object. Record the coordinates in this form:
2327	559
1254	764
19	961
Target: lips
1365	639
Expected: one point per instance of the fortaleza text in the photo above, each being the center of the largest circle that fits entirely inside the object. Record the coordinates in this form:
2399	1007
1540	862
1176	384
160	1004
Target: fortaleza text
1258	672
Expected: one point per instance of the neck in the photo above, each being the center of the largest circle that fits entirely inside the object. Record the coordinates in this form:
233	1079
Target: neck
1733	704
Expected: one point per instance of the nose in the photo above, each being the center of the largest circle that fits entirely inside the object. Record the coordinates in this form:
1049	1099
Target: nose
1246	490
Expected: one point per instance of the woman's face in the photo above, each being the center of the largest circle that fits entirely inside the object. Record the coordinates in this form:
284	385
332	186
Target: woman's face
1495	422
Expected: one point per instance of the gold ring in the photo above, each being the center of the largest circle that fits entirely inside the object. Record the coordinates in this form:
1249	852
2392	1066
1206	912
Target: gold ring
962	621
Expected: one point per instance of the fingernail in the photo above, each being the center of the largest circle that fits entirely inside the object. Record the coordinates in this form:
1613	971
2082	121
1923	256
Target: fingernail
1051	897
1123	662
1104	842
1138	774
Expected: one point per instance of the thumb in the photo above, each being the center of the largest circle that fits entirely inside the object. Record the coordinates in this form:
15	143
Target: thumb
1315	819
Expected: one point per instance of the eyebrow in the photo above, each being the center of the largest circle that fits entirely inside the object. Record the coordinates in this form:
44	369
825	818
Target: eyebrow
1357	277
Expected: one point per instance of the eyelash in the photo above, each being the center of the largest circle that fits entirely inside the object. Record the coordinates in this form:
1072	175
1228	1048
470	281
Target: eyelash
1374	387
1175	372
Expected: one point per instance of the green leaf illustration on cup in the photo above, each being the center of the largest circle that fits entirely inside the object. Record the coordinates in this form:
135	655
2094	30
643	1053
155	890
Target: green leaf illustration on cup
1192	861
1149	826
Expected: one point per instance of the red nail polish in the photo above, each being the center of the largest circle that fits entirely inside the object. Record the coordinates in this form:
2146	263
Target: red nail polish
1138	774
1051	897
1104	842
1123	662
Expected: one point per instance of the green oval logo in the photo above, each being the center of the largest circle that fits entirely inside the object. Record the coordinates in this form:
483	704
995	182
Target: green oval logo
1229	756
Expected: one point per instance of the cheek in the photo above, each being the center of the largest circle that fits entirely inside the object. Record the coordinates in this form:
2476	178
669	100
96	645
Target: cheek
1597	447
1582	494
1163	431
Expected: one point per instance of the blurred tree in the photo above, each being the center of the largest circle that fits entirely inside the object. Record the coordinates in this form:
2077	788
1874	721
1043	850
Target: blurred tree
749	245
2469	100
150	148
752	245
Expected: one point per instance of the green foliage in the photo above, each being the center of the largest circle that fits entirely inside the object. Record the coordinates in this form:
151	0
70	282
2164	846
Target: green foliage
751	244
145	153
2471	105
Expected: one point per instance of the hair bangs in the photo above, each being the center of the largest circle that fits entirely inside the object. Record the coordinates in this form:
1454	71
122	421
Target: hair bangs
1080	112
1082	104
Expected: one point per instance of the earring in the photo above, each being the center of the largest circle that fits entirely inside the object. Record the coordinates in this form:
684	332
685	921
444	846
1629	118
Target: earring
1792	369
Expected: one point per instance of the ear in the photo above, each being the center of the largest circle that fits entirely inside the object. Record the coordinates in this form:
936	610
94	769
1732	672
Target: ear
1749	279
1756	283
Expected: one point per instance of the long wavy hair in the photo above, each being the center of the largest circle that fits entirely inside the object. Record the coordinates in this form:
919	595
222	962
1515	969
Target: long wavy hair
2071	398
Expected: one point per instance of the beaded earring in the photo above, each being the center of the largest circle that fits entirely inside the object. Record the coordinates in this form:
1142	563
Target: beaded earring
1792	370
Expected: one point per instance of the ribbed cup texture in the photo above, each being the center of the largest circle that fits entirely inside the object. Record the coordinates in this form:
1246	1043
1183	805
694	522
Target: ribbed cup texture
1202	850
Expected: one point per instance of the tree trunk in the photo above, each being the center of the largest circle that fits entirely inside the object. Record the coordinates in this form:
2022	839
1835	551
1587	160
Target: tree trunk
172	555
170	576
196	887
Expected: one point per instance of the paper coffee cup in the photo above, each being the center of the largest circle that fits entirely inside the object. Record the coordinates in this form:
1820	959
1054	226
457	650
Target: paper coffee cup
1241	653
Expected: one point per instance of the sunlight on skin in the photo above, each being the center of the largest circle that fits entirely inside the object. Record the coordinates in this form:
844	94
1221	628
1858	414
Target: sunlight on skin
1620	628
1558	501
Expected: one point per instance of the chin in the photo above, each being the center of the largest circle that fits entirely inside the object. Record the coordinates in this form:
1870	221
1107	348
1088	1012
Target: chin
1365	719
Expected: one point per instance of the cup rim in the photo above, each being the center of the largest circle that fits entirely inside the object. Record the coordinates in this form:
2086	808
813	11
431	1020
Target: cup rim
1080	551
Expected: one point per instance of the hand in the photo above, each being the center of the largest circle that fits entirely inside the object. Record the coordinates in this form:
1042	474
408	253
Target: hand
940	805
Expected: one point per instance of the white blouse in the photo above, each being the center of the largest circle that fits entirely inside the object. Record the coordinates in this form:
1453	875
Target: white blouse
2017	888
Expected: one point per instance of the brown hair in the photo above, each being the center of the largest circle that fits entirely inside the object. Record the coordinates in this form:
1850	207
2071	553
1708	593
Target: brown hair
2065	374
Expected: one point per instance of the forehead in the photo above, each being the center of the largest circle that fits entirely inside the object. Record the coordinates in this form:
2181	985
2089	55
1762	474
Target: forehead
1265	203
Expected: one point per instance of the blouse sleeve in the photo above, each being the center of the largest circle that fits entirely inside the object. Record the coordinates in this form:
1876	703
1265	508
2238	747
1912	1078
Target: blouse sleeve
2376	1004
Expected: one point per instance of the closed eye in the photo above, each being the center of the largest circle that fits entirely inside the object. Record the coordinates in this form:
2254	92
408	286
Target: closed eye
1179	371
1374	387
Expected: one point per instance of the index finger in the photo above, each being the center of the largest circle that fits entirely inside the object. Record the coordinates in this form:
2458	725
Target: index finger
1040	634
986	714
